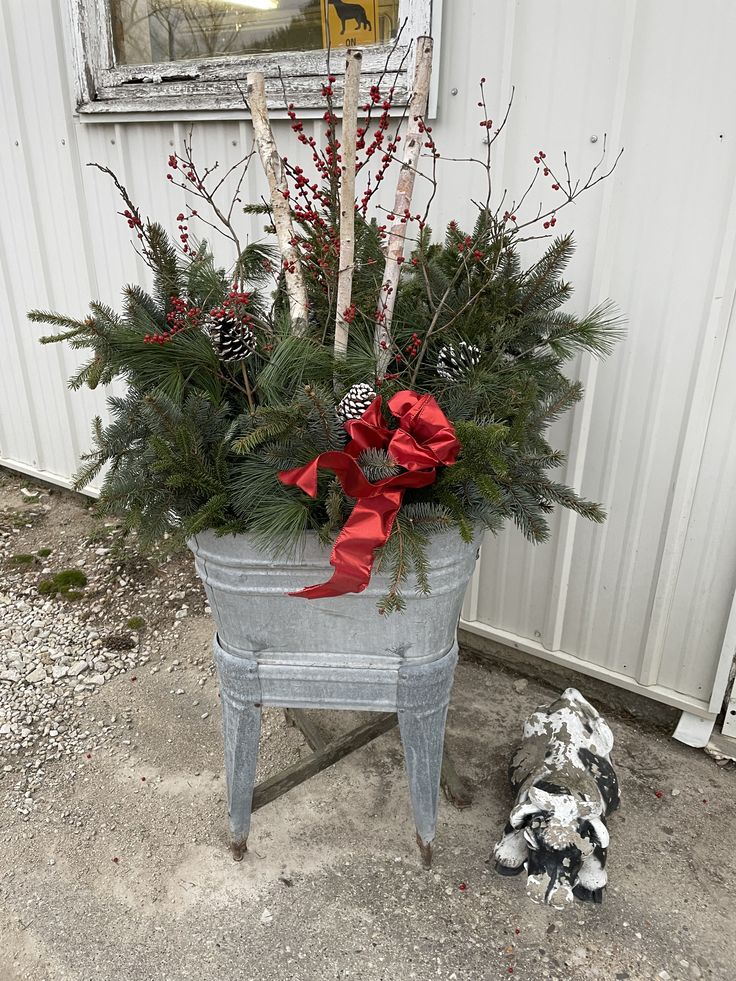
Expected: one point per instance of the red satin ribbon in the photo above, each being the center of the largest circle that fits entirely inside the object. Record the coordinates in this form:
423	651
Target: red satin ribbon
424	440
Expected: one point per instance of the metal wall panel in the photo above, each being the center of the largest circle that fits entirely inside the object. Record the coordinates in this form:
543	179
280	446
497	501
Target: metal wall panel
644	600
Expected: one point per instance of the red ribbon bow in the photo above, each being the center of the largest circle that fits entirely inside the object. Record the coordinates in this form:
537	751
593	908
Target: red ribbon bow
424	440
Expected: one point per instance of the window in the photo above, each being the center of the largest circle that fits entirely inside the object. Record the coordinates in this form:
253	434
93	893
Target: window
152	55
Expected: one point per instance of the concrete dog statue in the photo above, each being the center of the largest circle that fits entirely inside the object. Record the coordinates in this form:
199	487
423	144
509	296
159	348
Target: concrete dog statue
565	787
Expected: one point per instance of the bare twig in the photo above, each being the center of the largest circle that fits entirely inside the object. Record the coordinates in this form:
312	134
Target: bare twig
133	215
273	167
353	64
196	184
402	203
248	389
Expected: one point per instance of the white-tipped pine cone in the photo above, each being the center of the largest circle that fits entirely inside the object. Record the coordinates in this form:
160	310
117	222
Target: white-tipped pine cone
354	403
454	363
231	339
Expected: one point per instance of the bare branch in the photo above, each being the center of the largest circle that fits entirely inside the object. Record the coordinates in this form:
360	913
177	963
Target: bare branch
273	167
353	65
402	203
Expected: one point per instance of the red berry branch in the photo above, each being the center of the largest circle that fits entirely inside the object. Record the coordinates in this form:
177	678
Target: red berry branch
206	185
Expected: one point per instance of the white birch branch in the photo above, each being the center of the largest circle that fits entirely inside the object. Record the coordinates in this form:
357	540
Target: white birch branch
274	169
413	141
353	64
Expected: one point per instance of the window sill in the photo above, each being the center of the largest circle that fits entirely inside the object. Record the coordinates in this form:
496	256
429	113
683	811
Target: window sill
217	84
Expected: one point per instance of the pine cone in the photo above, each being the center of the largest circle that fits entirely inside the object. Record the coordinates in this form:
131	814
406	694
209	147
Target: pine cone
454	364
355	401
231	339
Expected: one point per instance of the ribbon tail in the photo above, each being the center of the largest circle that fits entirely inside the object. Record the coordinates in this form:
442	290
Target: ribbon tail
367	528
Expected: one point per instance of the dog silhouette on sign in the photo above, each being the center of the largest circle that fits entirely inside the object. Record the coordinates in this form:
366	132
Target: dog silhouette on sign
351	11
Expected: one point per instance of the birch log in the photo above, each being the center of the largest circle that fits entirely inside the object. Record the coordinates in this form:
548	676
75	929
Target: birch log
278	188
347	199
413	141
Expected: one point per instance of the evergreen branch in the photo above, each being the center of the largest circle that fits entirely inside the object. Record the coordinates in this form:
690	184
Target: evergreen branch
377	465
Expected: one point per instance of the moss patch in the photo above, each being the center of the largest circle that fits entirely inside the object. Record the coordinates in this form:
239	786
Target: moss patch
135	623
21	559
44	552
67	582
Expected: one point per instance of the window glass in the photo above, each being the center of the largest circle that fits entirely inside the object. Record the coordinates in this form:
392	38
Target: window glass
153	31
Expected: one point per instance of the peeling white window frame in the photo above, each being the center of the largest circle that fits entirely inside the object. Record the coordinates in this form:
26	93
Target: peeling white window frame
104	89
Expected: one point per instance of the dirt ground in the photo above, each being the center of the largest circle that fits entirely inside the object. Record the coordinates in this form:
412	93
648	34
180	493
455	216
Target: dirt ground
119	870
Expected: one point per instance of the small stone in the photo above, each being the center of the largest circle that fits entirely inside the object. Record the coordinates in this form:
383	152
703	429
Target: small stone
205	715
77	668
97	679
266	917
180	614
59	671
38	674
664	975
520	685
675	793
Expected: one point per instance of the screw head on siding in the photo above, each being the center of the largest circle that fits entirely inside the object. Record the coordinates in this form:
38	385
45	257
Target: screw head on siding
594	138
453	91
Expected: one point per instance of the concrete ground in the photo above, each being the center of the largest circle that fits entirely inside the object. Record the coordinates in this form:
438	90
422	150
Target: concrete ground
120	871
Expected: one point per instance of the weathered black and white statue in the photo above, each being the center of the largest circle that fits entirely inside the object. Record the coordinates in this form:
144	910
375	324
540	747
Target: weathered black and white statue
565	787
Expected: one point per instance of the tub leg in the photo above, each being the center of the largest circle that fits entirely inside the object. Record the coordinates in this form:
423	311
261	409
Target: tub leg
241	719
422	698
242	729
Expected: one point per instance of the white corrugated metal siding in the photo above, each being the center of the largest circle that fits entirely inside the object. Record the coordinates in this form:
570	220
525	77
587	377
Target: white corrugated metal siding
644	600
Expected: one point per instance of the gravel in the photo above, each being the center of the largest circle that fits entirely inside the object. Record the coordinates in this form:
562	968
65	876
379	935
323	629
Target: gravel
50	664
56	654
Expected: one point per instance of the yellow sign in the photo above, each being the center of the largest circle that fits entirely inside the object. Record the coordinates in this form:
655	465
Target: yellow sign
349	25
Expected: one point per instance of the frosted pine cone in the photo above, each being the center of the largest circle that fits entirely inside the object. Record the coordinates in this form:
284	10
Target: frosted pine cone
453	364
355	402
231	338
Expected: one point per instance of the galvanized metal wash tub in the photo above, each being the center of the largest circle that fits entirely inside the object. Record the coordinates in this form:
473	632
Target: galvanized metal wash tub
336	653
